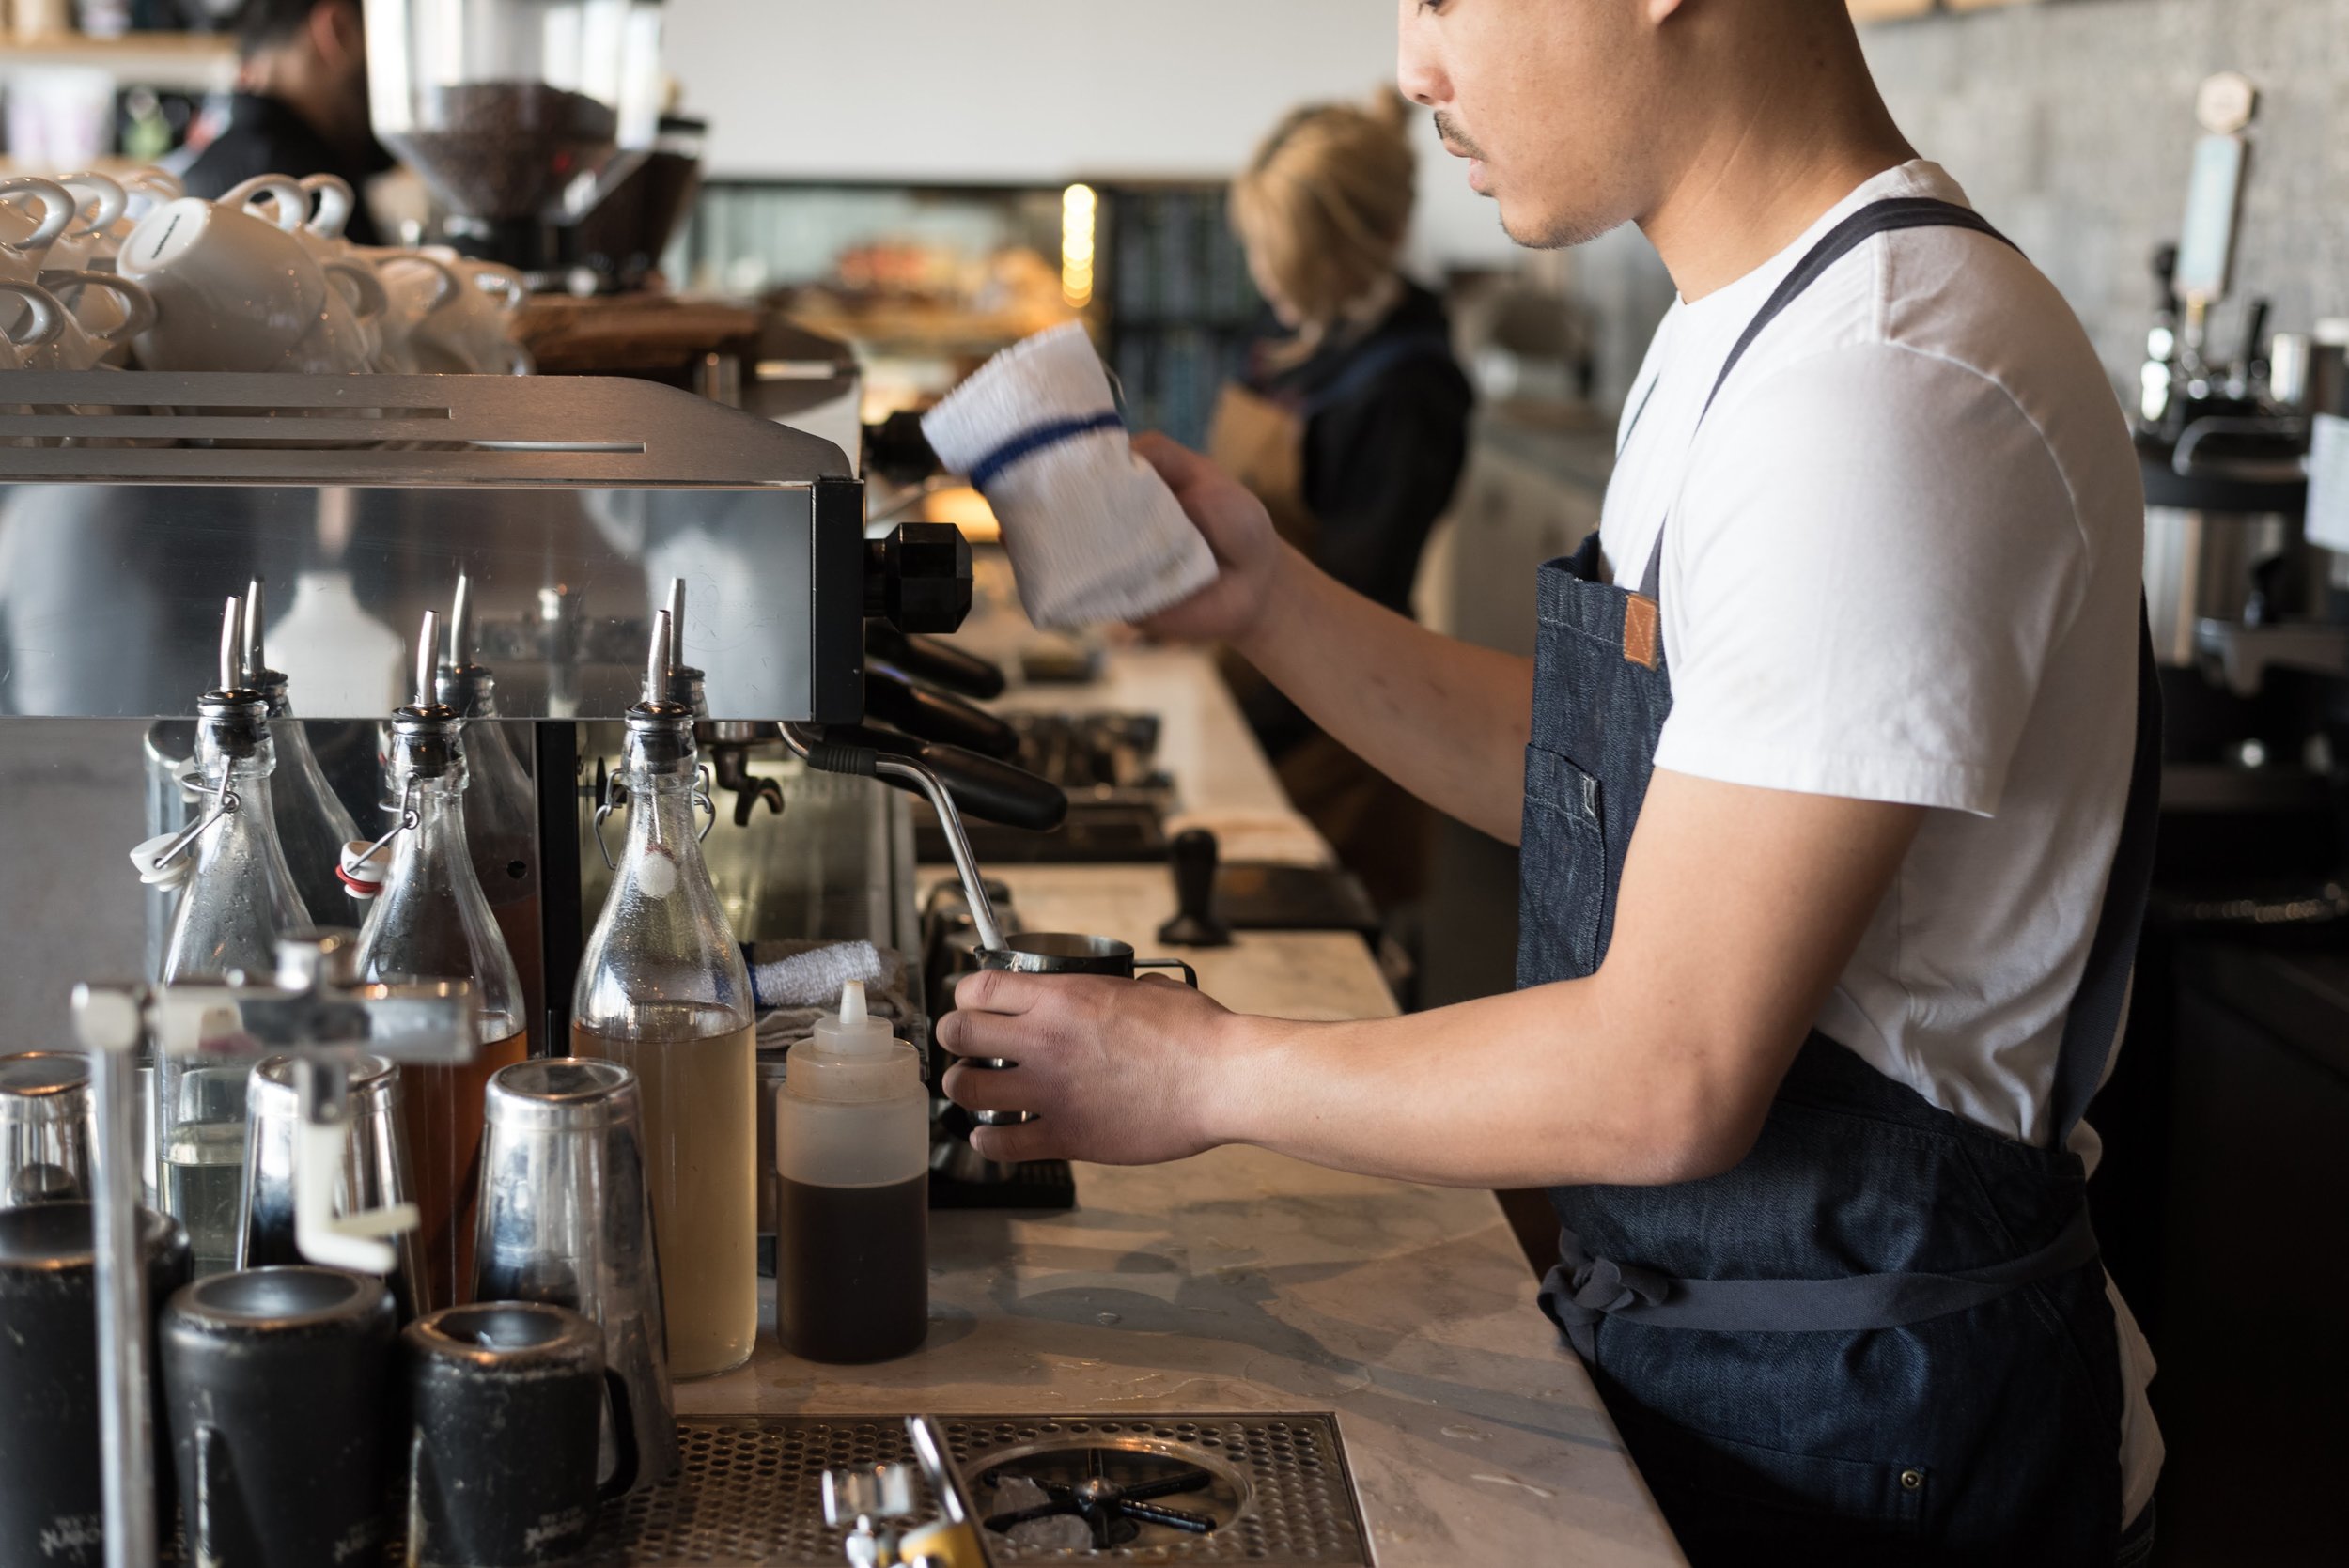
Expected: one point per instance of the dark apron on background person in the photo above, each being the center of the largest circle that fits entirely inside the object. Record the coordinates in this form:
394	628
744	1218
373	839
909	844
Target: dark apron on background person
1883	1338
1381	830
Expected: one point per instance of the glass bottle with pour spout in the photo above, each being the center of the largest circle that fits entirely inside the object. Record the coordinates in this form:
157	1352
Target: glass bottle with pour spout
501	808
430	920
239	899
312	822
662	990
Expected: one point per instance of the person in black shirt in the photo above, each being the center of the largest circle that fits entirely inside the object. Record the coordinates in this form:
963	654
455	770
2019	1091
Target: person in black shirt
1351	424
300	106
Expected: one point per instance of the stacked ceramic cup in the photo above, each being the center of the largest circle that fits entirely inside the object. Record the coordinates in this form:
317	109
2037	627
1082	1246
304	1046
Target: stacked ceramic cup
97	271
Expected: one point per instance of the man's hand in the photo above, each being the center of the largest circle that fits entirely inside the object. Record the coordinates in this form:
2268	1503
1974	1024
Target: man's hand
1119	1072
1236	528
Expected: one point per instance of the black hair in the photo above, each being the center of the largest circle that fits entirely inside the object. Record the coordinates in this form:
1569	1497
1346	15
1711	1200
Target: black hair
266	24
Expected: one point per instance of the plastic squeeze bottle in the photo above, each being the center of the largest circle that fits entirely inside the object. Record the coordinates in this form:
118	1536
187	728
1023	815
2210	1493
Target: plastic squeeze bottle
852	1145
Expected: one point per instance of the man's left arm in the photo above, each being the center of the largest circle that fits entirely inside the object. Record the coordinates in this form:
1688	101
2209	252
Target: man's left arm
1739	909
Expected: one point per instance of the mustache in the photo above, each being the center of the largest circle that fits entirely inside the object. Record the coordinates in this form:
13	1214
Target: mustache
1456	140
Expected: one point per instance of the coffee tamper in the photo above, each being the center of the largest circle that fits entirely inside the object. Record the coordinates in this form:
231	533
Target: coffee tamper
1193	856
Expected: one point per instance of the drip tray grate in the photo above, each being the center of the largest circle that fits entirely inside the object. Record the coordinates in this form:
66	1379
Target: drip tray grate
1277	1488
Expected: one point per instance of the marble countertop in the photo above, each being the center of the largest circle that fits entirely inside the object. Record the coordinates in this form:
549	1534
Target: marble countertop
1245	1281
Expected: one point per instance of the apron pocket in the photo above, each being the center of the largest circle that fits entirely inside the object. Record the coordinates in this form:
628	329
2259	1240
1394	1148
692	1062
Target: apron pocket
1561	871
1719	1489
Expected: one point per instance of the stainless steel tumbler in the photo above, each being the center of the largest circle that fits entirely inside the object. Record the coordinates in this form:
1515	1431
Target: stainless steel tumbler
1062	953
46	1133
376	1172
565	1219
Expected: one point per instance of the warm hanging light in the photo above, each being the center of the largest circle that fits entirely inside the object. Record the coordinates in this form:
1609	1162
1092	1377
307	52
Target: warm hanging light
1078	207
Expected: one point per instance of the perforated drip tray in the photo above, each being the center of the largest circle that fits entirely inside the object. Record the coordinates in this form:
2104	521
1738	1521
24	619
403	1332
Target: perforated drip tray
1267	1490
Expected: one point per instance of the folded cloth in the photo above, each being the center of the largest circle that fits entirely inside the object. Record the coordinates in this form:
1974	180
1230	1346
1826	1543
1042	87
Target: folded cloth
795	983
1093	532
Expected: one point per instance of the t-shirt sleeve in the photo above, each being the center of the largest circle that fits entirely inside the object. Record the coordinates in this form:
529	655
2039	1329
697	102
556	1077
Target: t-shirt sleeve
1871	563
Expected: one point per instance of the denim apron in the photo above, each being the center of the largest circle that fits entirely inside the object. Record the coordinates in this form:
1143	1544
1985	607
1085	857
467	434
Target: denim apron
1883	1337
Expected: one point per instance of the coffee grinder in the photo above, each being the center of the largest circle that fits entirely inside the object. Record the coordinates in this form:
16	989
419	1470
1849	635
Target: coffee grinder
520	114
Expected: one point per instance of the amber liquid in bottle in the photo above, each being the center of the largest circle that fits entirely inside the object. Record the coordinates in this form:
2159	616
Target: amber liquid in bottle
701	1146
444	1110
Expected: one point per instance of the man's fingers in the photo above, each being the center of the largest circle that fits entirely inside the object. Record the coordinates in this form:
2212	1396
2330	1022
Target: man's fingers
968	1034
1012	1145
996	991
1178	464
989	1088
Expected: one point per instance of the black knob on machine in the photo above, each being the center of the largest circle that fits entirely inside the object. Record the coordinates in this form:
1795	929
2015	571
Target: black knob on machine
1193	856
919	578
898	451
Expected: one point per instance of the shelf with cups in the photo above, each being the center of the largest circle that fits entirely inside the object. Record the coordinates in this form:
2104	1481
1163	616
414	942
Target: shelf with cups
188	62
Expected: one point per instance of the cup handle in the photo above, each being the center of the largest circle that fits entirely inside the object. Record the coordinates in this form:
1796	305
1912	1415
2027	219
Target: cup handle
335	200
58	209
291	201
625	1459
214	1485
1191	976
105	198
46	315
138	306
366	291
446	291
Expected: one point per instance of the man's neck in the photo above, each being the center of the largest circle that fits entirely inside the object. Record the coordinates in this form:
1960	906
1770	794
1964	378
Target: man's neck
1769	168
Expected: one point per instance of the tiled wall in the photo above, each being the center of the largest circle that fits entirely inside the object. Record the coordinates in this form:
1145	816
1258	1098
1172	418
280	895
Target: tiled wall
2070	123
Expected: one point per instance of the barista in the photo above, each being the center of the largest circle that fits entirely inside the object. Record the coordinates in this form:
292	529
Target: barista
1833	778
301	105
1352	427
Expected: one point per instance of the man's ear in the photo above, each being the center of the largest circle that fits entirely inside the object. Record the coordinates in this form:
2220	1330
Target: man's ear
1660	12
337	32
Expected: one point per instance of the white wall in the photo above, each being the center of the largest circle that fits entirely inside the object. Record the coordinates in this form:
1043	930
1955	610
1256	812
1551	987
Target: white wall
1038	90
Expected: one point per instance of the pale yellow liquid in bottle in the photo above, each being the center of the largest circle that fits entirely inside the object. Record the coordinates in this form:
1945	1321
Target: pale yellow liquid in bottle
700	1152
444	1109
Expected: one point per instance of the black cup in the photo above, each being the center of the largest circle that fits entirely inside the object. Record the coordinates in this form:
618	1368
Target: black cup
1062	953
51	1494
276	1381
505	1405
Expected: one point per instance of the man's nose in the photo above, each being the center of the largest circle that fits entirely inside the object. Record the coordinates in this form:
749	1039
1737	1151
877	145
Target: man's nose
1418	68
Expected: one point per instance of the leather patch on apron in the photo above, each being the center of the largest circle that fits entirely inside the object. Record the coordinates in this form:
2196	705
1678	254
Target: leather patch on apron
1643	629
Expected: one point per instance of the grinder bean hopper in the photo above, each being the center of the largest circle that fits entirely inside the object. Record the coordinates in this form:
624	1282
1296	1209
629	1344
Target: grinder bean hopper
520	114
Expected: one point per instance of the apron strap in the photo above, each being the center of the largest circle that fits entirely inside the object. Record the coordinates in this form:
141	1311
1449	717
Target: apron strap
1881	217
1584	1289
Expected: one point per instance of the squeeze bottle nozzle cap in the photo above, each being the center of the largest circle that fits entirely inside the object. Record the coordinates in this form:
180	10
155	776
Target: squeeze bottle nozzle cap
852	1031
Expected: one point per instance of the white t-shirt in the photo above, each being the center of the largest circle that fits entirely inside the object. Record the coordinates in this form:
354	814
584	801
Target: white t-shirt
1904	564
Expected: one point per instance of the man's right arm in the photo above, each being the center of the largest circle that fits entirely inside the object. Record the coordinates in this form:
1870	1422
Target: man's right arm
1447	721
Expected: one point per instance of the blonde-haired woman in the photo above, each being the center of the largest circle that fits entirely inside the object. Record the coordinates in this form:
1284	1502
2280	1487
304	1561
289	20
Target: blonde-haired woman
1351	424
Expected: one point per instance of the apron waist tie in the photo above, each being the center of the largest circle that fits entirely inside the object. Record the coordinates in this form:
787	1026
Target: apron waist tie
1584	1289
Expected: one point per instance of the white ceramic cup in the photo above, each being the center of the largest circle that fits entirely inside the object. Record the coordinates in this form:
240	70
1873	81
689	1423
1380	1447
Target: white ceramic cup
475	335
39	321
418	287
234	292
91	241
351	326
81	342
34	215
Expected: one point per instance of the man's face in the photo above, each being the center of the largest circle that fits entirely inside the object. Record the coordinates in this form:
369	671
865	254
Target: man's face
1554	101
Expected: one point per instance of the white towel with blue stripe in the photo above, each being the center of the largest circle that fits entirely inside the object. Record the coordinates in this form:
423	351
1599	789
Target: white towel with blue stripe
1093	532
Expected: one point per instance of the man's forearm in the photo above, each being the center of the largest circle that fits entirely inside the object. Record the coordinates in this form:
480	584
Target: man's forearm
1534	1089
1445	719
